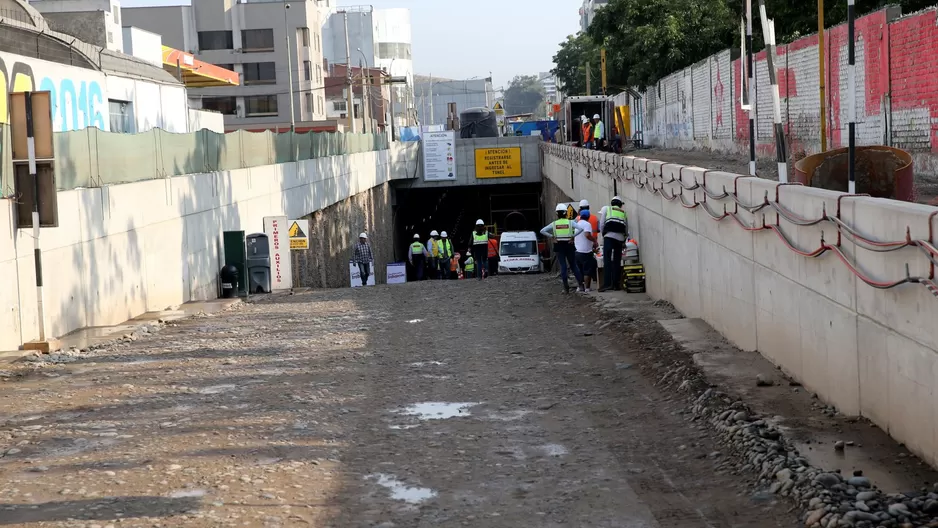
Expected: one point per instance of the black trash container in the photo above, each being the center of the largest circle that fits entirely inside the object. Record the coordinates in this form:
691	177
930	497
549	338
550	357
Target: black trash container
229	281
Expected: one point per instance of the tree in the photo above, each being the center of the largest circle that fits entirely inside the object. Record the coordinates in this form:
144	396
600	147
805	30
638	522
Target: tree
524	94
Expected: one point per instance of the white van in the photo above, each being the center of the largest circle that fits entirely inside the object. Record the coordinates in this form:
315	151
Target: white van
517	251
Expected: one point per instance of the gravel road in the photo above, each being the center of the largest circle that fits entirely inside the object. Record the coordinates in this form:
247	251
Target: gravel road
501	404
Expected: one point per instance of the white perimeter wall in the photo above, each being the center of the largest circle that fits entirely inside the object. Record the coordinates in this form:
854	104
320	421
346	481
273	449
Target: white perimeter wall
123	250
867	351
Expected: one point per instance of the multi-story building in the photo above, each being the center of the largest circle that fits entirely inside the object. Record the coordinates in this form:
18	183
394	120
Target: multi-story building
434	95
370	108
588	11
377	38
268	42
96	22
549	82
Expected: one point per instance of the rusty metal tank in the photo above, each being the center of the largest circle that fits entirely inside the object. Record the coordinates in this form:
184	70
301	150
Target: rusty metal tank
882	172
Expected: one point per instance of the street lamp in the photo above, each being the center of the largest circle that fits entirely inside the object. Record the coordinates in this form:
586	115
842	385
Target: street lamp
286	33
366	97
350	110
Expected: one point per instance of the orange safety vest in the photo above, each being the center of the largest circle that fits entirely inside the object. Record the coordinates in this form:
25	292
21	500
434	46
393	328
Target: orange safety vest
493	248
587	132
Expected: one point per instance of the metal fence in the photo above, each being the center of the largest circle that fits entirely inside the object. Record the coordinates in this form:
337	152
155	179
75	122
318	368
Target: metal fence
92	158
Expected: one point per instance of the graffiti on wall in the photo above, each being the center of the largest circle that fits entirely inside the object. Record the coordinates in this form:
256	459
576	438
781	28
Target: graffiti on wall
77	94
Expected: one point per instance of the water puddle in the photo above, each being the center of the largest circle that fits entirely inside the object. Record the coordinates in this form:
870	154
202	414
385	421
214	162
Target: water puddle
415	321
401	491
553	450
419	364
187	493
403	427
217	389
508	416
438	410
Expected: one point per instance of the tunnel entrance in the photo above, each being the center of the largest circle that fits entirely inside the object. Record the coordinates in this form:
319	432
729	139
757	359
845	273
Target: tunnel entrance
510	207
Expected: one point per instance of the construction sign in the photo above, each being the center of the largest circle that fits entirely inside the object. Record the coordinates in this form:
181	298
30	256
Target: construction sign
498	162
499	109
299	234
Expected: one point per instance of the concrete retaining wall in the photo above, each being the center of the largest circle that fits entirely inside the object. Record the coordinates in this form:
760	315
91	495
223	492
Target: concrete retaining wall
868	351
466	162
122	250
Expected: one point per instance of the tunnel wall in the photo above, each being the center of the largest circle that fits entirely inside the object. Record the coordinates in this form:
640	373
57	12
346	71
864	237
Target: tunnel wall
466	162
333	233
868	351
122	250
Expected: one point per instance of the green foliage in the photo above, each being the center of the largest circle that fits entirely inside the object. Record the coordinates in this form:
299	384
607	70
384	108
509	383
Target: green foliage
646	40
524	95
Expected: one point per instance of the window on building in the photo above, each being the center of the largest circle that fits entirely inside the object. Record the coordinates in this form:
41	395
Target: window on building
259	73
339	106
318	44
304	35
318	73
222	105
122	116
308	97
357	112
322	105
394	50
260	105
253	40
215	40
308	70
226	66
110	37
116	13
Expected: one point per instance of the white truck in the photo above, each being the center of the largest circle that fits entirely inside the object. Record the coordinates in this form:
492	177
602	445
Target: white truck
518	253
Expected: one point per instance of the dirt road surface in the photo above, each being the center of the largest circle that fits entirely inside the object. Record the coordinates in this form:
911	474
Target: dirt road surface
493	404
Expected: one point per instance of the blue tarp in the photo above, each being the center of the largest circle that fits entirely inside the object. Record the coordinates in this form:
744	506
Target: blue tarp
546	128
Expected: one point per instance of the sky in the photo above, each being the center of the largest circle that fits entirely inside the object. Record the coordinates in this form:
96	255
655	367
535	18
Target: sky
462	39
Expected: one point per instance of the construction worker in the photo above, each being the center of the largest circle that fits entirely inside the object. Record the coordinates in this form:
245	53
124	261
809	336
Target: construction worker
480	251
614	223
446	255
593	219
418	255
454	266
433	246
599	133
493	257
586	132
470	266
563	231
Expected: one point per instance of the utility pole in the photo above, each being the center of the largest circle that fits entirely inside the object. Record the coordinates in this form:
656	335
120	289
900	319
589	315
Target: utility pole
350	96
365	100
821	59
286	33
602	59
851	98
588	92
431	99
752	90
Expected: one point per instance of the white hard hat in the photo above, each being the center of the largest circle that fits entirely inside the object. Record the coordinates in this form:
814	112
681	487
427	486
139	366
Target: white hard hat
595	116
434	233
363	235
584	203
416	236
443	234
480	222
616	199
560	208
583	117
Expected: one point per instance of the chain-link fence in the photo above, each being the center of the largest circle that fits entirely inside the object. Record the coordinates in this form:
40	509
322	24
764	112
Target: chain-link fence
91	157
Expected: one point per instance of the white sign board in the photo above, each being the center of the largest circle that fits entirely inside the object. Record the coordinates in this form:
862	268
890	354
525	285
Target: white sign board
281	269
299	234
439	156
397	273
356	276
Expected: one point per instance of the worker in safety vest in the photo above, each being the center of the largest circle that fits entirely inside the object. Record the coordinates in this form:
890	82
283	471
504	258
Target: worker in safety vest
614	223
454	270
480	251
599	133
445	248
563	231
417	255
493	257
433	246
470	266
586	132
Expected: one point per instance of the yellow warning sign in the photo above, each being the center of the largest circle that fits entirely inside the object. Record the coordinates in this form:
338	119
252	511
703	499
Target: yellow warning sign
499	109
298	237
498	162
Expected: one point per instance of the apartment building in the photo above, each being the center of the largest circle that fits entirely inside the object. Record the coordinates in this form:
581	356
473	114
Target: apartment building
588	11
549	82
265	41
96	22
377	38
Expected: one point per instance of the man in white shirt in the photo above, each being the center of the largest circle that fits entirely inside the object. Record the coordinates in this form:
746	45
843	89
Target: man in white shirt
585	243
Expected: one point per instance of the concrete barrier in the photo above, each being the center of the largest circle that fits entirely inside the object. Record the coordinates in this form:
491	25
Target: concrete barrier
739	252
122	250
